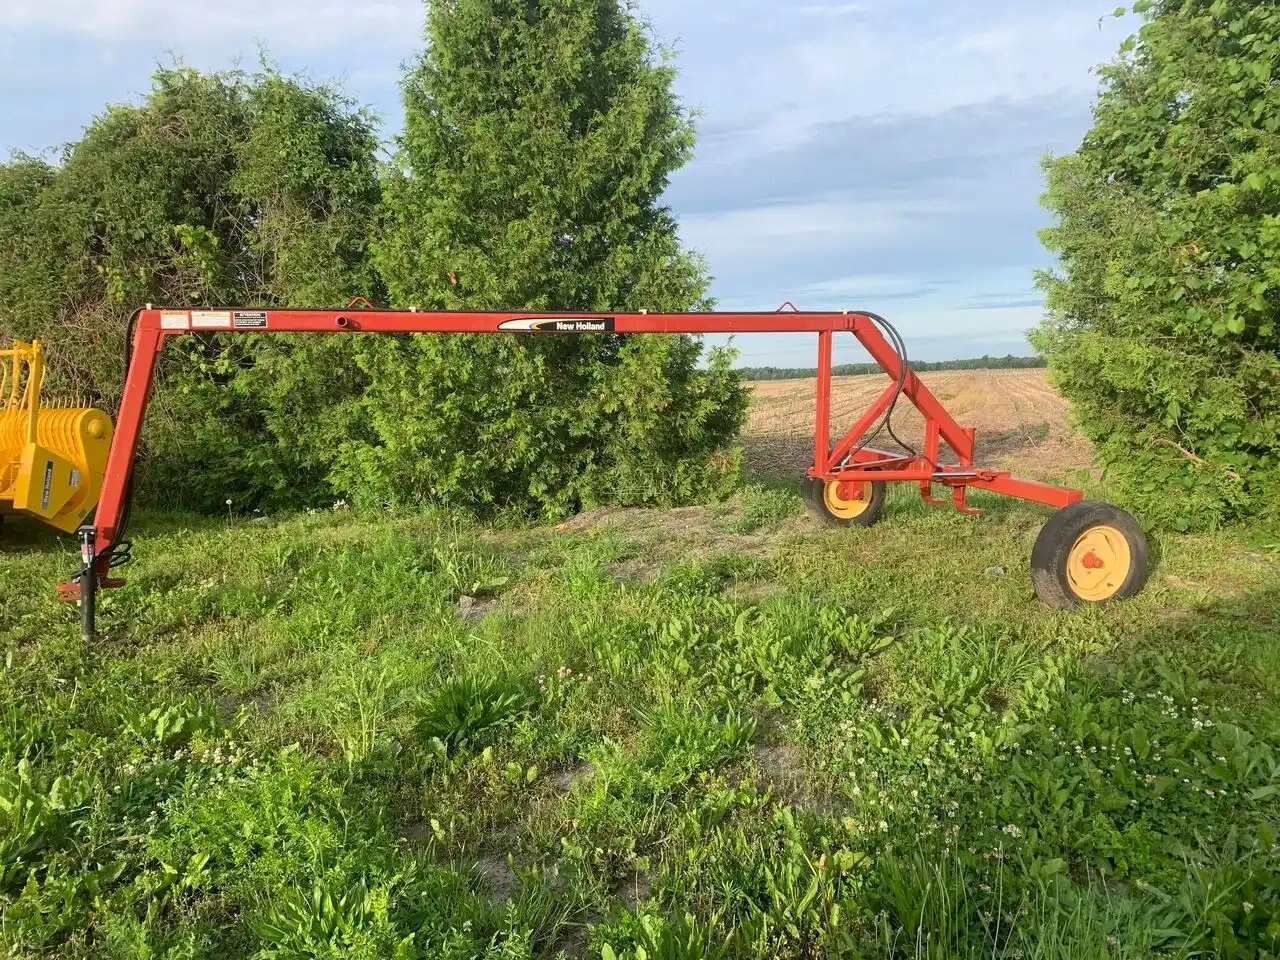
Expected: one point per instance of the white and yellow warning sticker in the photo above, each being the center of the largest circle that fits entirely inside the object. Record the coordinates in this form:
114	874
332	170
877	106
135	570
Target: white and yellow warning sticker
210	319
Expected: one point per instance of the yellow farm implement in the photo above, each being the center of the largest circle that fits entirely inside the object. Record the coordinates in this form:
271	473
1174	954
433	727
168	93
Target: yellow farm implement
51	460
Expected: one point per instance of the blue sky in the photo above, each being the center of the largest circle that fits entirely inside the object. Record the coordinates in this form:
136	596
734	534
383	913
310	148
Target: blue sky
881	154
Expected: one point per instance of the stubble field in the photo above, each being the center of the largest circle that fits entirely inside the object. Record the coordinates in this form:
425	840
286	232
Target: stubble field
1022	423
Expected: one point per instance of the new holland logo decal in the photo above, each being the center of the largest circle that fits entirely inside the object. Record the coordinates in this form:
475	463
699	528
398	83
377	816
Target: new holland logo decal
559	325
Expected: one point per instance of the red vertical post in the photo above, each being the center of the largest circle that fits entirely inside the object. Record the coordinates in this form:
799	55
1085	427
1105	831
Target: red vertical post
147	340
822	427
931	444
932	449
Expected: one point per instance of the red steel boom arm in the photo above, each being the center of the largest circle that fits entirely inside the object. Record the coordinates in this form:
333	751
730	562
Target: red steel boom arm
848	461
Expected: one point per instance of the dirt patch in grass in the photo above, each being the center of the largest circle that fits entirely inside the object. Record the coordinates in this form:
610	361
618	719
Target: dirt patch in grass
414	832
634	889
229	704
782	767
572	942
752	591
687	532
497	878
596	517
472	609
564	780
633	571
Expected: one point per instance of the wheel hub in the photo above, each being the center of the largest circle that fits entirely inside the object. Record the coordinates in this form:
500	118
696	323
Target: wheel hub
1099	563
846	499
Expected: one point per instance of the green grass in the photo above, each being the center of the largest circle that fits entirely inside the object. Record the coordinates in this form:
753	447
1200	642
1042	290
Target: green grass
720	731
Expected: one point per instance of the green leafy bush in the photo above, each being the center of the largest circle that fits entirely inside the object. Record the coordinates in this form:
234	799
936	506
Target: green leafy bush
523	182
527	181
1161	327
220	188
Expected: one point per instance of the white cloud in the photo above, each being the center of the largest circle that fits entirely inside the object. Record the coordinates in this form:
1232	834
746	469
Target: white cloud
831	9
773	231
909	68
297	24
899	58
863	285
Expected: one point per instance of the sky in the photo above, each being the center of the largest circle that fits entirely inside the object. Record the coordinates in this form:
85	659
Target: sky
880	155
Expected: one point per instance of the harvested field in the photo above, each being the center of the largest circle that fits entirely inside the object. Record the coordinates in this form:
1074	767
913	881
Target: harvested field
1022	423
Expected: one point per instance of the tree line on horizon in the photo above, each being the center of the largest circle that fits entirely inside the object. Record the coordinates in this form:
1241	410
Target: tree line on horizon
985	362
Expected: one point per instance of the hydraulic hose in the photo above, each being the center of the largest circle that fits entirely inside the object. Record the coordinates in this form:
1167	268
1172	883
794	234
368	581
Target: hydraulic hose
886	422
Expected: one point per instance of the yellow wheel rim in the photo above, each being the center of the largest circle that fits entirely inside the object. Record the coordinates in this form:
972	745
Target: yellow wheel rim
1099	563
850	508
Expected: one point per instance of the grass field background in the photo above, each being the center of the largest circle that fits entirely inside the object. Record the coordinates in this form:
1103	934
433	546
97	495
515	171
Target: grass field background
718	731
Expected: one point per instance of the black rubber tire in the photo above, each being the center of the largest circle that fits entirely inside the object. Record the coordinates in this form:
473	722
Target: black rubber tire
812	491
1059	535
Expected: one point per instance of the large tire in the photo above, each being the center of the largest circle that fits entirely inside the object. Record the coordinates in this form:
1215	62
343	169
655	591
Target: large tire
1089	552
825	502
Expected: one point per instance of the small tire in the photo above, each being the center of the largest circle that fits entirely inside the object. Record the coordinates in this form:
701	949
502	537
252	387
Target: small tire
825	503
1089	552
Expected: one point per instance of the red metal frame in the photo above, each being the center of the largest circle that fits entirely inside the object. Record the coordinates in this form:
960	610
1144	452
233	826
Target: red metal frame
846	461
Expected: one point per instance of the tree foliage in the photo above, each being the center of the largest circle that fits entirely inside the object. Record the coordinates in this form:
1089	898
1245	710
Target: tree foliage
220	188
1162	327
539	138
